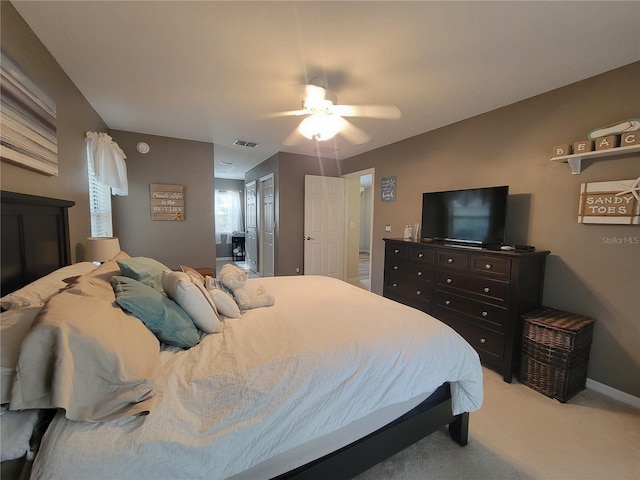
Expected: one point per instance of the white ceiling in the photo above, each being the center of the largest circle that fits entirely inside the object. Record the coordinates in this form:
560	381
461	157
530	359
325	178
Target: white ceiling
217	71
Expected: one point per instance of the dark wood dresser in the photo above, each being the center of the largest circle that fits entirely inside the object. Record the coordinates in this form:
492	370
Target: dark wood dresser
481	293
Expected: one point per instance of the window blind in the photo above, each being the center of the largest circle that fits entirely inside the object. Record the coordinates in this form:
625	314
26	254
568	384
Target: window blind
100	206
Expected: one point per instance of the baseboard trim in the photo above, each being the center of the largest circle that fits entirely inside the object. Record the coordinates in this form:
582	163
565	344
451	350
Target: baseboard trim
613	393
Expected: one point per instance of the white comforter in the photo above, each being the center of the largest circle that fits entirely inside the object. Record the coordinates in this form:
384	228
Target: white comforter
325	355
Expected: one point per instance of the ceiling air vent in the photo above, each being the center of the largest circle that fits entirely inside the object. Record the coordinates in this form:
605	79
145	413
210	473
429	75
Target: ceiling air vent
244	143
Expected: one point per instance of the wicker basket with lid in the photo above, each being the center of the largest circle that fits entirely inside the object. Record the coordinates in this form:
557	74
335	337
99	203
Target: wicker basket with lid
555	352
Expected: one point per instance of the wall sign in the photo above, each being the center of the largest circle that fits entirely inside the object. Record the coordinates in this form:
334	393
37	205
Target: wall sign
167	201
616	202
388	190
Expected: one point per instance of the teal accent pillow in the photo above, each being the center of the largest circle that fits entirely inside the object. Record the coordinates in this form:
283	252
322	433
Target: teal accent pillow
165	318
143	269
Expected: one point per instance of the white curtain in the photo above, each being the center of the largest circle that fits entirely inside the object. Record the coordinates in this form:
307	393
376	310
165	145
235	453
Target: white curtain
107	160
228	214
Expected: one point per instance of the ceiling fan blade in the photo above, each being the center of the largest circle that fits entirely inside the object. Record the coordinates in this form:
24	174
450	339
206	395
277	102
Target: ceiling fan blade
354	134
289	113
390	112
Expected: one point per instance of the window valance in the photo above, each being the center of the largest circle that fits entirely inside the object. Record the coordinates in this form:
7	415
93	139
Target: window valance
107	160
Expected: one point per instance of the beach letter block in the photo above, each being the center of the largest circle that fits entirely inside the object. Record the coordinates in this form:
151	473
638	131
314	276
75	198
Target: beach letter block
630	138
604	143
561	150
583	146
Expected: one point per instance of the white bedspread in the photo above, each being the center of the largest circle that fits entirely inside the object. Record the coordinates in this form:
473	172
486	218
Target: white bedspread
325	355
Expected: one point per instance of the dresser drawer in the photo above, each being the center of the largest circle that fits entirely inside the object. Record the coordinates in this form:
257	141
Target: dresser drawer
411	271
482	312
395	251
452	260
422	255
484	340
495	290
409	289
490	266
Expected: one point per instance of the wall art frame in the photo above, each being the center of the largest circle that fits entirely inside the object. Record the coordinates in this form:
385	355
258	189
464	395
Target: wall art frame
28	134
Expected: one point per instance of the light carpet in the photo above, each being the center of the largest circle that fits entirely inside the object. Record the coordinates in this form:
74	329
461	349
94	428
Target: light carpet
521	434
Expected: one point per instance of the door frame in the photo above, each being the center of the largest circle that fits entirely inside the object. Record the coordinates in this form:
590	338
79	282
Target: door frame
260	221
348	177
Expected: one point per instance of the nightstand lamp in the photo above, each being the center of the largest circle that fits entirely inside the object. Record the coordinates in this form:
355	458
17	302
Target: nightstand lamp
101	249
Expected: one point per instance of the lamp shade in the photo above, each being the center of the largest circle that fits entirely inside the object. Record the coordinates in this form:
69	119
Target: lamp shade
101	249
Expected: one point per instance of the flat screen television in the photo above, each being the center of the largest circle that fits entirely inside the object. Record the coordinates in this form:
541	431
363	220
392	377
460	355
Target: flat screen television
475	216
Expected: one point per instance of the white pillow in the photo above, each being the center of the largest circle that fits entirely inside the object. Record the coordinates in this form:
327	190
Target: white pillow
41	290
193	298
16	429
225	303
196	277
14	326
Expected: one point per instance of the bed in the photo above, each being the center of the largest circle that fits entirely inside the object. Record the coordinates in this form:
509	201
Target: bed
327	382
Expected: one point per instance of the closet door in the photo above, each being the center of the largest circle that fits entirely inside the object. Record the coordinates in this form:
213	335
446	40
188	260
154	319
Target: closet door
251	236
267	227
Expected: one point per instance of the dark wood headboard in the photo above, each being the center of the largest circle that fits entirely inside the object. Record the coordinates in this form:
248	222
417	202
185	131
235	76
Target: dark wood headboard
35	238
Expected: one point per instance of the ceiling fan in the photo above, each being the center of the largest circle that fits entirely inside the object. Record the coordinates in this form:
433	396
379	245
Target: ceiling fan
325	117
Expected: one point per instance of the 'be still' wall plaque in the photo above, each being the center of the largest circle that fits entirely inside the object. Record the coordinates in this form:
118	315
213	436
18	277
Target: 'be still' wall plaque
167	201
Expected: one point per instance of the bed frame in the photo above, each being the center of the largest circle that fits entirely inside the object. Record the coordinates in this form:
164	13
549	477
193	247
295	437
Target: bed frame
35	241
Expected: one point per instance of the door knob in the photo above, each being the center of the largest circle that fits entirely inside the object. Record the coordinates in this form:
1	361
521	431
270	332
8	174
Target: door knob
309	238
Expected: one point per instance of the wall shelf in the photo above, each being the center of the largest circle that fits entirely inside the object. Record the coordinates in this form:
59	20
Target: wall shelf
575	160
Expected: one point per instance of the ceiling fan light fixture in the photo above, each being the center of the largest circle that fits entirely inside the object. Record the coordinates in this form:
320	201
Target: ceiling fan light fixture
321	126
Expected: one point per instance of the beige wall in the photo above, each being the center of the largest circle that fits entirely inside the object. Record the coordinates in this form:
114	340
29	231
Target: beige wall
182	162
74	117
288	171
586	273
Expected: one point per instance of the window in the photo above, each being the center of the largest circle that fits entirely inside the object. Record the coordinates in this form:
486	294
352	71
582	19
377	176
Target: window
100	206
228	214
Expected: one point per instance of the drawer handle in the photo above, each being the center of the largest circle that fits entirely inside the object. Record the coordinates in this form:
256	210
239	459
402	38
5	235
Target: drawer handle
483	340
449	280
420	255
396	251
449	260
418	292
447	302
488	266
395	267
419	274
484	314
486	290
395	284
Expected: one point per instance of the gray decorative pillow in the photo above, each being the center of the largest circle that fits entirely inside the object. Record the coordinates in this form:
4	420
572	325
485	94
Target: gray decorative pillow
143	269
165	318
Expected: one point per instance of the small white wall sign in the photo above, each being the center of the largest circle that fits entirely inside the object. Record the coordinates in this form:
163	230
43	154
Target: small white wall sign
167	201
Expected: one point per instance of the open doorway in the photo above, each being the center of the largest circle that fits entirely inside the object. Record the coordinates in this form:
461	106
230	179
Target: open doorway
359	227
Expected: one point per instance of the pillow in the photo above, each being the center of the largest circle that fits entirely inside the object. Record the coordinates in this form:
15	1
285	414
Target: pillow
193	299
143	269
165	318
14	327
41	290
225	303
16	429
196	276
99	363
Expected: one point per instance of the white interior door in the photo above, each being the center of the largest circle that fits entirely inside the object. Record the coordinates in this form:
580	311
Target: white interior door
267	227
251	236
324	204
